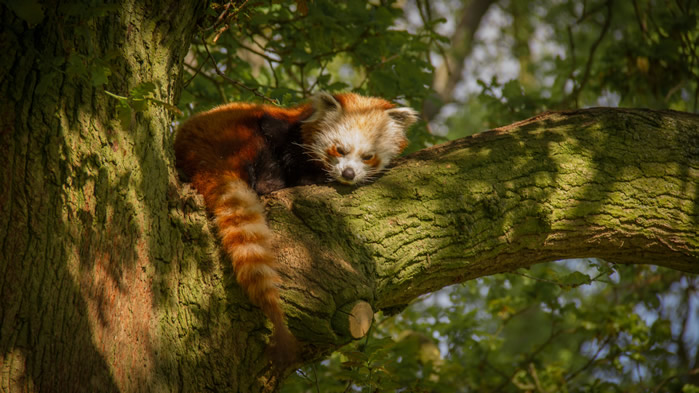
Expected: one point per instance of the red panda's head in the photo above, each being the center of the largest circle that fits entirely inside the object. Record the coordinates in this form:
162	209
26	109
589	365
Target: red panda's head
355	137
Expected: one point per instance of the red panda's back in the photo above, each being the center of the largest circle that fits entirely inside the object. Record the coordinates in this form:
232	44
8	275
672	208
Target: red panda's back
220	139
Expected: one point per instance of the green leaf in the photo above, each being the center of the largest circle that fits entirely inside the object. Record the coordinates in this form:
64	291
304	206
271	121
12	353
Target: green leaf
352	363
76	66
355	355
31	11
143	90
575	279
124	115
100	75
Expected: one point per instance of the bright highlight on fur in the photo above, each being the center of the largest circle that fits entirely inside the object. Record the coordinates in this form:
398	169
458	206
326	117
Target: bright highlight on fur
236	151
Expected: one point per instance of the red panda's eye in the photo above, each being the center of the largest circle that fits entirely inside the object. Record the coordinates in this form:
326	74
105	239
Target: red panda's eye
367	157
340	151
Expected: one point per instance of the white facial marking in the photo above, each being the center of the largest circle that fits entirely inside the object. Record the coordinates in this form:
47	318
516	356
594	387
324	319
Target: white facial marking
350	168
346	137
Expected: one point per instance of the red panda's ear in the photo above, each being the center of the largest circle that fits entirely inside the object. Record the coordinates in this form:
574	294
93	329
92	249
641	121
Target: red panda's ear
324	102
404	117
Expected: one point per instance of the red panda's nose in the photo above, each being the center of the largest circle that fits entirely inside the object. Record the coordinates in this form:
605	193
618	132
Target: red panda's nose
348	173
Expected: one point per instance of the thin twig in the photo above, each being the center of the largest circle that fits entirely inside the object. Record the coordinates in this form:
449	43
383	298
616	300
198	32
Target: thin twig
369	70
641	23
593	11
261	54
670	378
516	314
497	370
589	362
696	97
194	74
535	377
538	279
222	15
227	18
536	352
213	80
274	74
320	73
235	82
315	376
588	66
573	60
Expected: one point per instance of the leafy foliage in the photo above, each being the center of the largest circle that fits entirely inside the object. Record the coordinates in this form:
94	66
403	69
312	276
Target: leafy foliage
573	326
31	11
282	52
587	53
552	329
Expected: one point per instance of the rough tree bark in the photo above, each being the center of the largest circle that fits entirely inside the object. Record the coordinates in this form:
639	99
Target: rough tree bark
111	279
87	266
616	184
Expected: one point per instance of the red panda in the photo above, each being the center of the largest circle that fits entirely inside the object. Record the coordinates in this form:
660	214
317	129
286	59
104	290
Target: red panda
236	151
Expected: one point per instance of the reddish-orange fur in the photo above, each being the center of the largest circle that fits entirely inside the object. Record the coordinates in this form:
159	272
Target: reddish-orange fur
213	149
232	151
332	151
373	161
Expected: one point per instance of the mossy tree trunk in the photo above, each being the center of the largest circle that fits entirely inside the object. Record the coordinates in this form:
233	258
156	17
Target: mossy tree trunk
89	263
111	280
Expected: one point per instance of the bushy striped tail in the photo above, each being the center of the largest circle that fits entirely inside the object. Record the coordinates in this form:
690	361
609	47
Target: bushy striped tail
245	236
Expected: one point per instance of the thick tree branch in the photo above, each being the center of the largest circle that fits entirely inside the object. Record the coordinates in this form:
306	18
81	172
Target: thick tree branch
616	184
